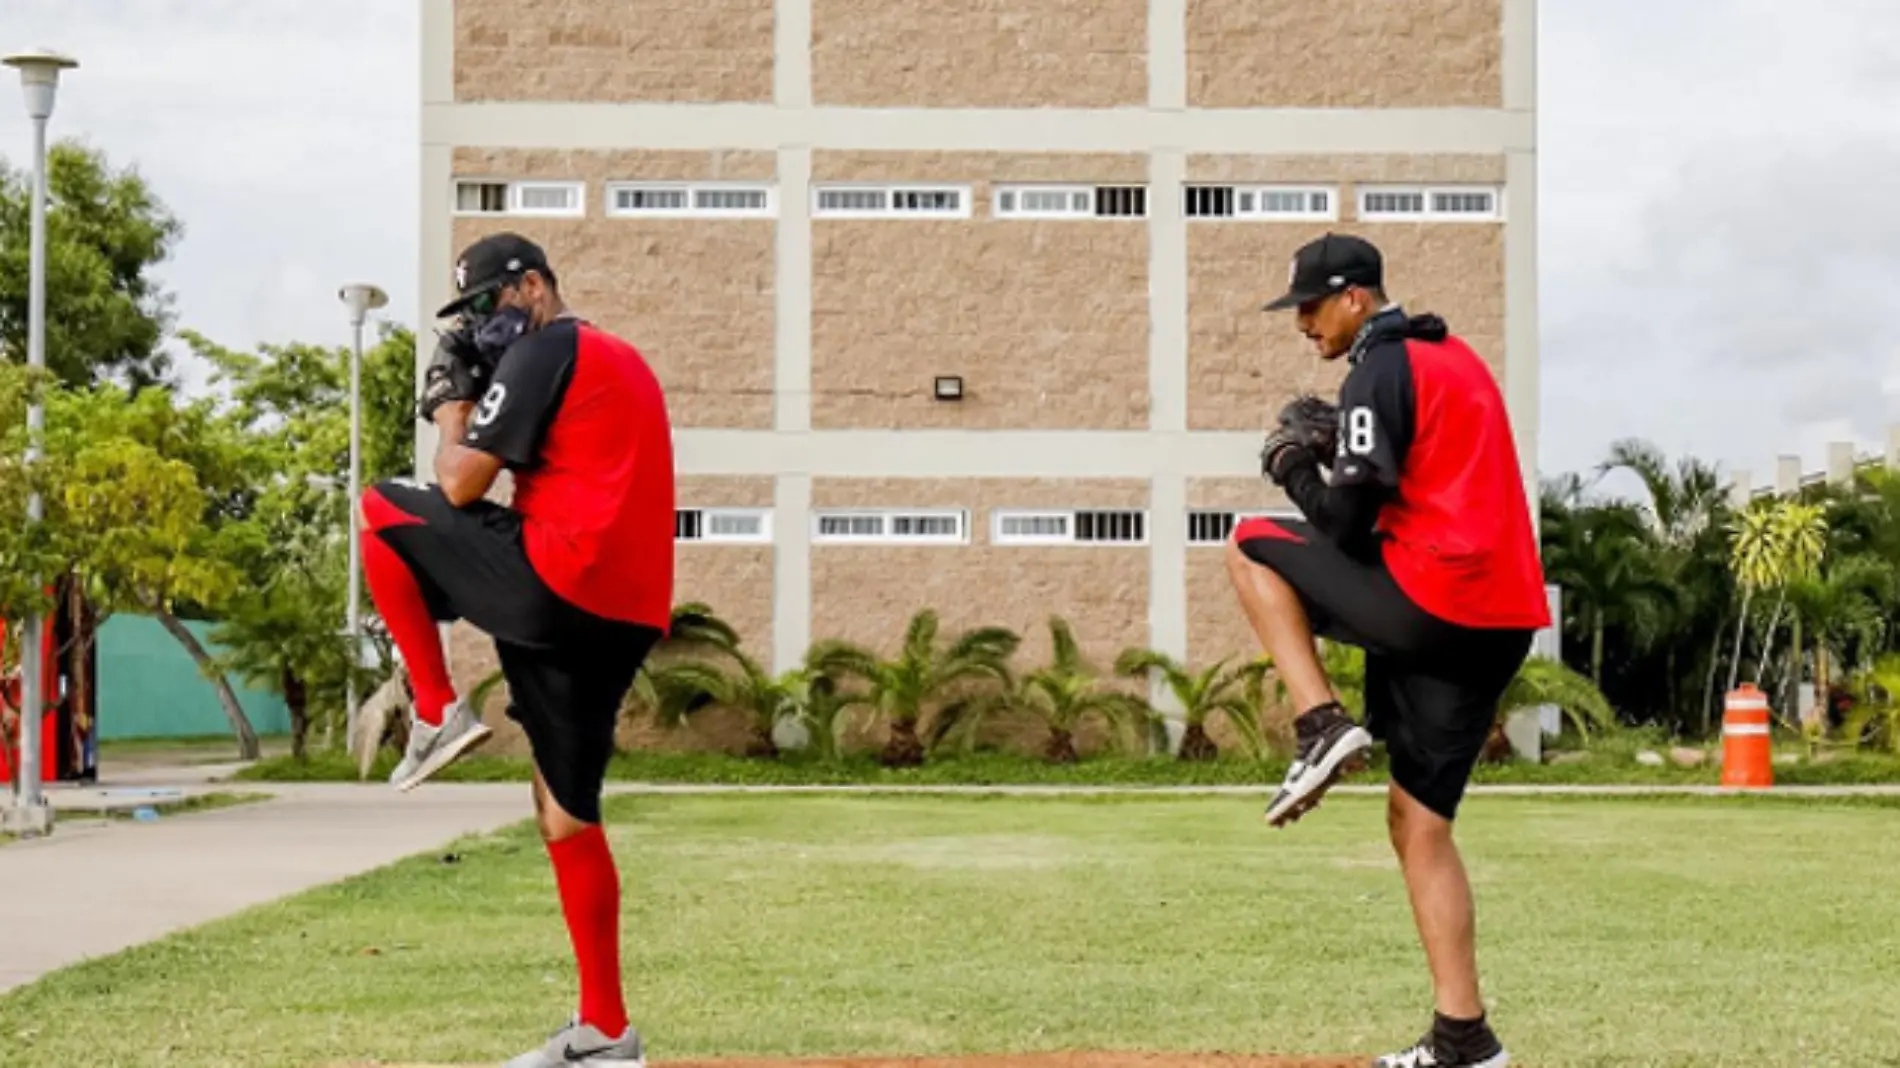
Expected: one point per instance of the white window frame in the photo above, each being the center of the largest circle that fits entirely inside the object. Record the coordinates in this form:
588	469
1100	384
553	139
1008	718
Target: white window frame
1070	516
1240	516
997	537
691	210
891	190
515	188
884	535
1017	189
1090	194
1428	214
706	537
1306	215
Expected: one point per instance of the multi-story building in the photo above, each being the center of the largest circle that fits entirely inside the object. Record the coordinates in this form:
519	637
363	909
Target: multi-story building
957	301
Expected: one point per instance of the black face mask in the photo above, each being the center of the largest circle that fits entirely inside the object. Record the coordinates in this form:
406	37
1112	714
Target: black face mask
493	335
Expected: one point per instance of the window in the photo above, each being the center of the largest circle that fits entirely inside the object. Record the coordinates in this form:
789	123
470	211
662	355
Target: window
722	525
1210	201
896	527
1070	201
889	202
1261	202
1444	204
1287	202
1208	526
1069	527
679	199
490	197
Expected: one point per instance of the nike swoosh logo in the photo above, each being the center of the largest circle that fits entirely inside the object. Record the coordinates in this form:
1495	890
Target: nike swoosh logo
571	1054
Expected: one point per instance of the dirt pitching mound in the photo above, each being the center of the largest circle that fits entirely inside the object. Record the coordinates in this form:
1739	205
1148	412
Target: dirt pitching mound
1012	1060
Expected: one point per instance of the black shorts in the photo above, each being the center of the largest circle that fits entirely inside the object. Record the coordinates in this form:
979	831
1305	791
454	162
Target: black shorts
567	670
1431	688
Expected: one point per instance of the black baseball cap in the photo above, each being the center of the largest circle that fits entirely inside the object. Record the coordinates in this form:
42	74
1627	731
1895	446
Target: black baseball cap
488	264
1328	265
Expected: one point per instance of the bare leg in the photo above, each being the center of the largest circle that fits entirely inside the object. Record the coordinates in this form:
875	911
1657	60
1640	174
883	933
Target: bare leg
1279	621
1441	901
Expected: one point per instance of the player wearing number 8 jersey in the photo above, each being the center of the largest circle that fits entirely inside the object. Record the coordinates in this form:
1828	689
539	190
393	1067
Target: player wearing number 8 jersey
1418	549
573	580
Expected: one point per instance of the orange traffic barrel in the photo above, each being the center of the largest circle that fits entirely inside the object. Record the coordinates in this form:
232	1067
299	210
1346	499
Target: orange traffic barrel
1747	756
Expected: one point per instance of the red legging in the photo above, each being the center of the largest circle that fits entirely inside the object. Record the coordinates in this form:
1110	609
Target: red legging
400	602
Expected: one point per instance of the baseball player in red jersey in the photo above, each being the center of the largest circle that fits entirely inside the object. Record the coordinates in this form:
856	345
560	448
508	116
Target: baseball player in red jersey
1419	549
574	582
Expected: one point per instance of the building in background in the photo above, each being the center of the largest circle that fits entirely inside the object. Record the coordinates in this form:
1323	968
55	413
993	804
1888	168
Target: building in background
957	302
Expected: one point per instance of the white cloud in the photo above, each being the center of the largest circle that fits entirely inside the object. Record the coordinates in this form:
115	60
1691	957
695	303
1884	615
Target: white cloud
1716	241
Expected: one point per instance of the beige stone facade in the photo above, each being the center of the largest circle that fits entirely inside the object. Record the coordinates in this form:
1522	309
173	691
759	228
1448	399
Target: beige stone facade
1345	53
614	50
1108	360
980	53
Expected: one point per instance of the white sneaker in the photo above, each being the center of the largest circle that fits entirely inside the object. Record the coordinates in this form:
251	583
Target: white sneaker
433	748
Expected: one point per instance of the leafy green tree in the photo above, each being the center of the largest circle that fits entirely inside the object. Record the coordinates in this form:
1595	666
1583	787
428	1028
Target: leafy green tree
287	534
1218	689
105	231
926	676
767	701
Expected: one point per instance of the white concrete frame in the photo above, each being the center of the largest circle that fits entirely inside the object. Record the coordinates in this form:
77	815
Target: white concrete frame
1166	130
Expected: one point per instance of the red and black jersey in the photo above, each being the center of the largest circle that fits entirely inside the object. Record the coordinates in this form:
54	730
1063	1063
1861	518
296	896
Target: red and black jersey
1423	428
581	421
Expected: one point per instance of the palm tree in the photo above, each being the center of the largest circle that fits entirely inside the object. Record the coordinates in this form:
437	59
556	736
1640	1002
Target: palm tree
685	686
1601	557
1687	510
1755	558
1064	694
1684	501
1234	692
694	630
1843	605
1800	538
1876	716
1543	681
919	680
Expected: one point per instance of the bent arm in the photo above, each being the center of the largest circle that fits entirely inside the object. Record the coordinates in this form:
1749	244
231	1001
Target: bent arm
464	474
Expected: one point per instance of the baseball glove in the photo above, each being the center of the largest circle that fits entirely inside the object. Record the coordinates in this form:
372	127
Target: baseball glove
457	372
1308	433
1312	422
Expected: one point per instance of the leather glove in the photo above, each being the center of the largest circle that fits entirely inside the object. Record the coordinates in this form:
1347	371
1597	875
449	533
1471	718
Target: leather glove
1314	423
1283	453
457	372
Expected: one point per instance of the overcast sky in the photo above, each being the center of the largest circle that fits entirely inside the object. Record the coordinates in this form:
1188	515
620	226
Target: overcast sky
1720	246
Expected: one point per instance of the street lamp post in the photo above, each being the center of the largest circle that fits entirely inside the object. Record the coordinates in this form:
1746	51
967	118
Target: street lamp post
39	76
360	298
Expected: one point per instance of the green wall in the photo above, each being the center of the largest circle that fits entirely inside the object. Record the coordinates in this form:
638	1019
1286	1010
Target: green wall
149	687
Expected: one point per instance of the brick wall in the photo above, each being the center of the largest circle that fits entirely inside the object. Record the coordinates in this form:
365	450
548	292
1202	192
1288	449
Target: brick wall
980	53
614	50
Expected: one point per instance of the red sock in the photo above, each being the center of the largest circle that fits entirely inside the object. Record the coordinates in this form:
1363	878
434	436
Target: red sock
590	899
400	601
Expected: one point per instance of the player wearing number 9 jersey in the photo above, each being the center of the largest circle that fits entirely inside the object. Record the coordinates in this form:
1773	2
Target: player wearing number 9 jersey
1418	549
573	580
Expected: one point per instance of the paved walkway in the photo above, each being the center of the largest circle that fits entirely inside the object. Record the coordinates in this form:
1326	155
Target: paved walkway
96	887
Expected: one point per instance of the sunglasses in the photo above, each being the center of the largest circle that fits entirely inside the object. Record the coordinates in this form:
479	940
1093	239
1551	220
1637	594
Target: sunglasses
483	304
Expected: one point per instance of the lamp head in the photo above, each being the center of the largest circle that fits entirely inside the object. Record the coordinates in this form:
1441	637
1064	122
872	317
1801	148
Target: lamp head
39	76
361	298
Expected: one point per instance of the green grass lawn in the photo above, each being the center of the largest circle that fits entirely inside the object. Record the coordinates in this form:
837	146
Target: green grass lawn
1745	931
1611	761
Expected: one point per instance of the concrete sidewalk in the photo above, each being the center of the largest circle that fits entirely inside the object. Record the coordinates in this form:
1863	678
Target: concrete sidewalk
96	887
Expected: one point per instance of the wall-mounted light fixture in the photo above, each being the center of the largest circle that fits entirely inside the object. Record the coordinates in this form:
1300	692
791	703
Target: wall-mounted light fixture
948	387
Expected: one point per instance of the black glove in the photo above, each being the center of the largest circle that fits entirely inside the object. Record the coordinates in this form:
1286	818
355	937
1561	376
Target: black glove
1314	423
1282	454
457	372
1308	434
